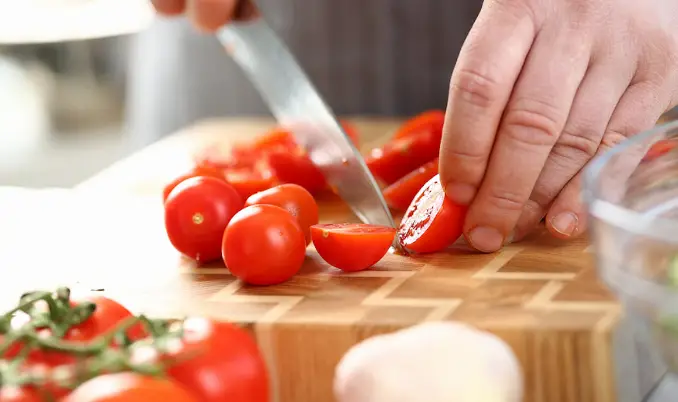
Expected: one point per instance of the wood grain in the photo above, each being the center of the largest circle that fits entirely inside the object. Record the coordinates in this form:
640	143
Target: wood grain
541	295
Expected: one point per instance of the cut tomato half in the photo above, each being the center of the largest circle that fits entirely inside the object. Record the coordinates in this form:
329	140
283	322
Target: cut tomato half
401	156
430	121
659	148
400	194
352	247
432	222
296	168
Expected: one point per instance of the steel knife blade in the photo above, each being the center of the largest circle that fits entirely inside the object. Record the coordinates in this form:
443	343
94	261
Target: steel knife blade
296	105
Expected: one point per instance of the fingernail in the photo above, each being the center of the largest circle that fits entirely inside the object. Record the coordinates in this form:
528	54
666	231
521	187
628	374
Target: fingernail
565	223
460	193
510	238
486	239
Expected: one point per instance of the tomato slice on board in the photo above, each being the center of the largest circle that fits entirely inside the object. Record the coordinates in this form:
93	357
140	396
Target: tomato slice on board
352	247
432	222
400	194
401	156
294	199
196	214
430	121
297	168
263	245
660	148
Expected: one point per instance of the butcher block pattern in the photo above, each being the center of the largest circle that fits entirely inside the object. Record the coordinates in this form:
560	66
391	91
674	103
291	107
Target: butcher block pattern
541	296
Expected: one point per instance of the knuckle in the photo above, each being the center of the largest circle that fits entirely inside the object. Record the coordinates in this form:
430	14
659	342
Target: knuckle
506	200
474	87
532	122
614	137
577	144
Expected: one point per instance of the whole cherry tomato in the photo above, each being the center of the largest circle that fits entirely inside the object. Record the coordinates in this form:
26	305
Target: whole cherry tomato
293	198
400	194
198	171
196	214
263	245
430	121
129	387
223	363
352	247
432	222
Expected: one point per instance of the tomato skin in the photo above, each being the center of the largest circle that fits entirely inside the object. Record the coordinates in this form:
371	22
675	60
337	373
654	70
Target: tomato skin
432	222
431	121
196	214
297	168
129	387
248	181
401	156
227	366
352	247
294	199
263	245
659	148
198	171
400	194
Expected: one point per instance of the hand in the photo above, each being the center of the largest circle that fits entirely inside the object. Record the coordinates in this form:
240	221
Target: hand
541	87
207	15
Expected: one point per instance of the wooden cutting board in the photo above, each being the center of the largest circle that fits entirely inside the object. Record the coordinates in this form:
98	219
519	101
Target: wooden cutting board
541	295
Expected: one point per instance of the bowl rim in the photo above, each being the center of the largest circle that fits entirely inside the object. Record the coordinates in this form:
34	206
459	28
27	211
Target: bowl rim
616	215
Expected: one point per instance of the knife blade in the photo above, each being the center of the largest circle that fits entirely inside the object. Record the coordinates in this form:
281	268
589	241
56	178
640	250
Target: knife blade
296	105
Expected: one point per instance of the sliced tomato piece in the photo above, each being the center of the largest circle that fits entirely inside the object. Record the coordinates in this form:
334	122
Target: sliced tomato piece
401	156
400	194
430	121
297	168
352	247
432	222
198	171
660	148
274	139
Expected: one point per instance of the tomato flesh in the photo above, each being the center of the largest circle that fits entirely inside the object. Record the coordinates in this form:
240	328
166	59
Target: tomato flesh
352	247
263	245
294	199
196	214
432	222
401	156
430	121
129	387
400	194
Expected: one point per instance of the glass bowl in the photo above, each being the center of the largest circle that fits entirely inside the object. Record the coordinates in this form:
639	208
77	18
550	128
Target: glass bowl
632	200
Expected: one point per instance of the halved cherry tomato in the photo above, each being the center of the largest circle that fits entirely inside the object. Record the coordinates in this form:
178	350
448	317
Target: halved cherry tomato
294	199
401	156
660	148
196	214
432	222
223	363
198	171
430	121
263	245
352	247
129	387
297	168
400	194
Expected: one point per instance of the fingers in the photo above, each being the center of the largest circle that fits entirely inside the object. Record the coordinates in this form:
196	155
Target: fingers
488	66
637	111
209	15
593	106
532	122
169	7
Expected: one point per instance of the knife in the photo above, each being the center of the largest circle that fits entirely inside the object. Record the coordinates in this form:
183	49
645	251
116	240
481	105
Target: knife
296	105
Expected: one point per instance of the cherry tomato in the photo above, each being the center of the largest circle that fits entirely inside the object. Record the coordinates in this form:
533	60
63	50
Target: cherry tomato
223	364
275	139
431	121
352	247
247	181
264	245
401	156
198	171
129	387
196	214
19	394
659	148
294	199
352	132
432	222
400	194
297	168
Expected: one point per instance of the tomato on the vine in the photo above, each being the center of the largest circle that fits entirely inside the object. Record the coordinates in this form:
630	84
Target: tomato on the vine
129	387
400	194
263	245
430	121
293	198
401	156
196	214
352	246
297	168
432	222
223	363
